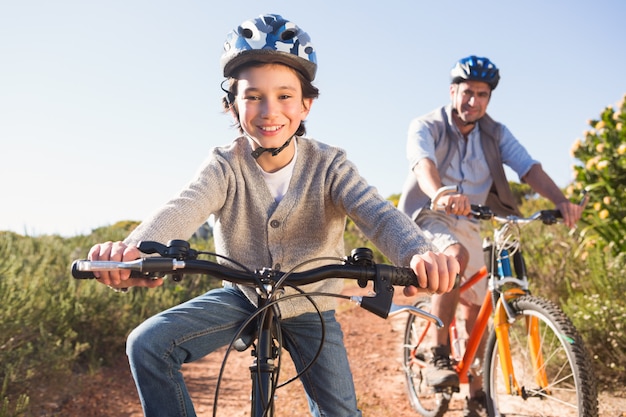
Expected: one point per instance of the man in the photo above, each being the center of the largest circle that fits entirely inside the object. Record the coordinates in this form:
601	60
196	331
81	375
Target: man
459	144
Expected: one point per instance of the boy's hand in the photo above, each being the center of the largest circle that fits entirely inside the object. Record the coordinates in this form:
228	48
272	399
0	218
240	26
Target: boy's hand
119	252
436	273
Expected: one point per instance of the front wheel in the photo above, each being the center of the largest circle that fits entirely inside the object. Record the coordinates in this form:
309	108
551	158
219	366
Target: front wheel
415	357
563	362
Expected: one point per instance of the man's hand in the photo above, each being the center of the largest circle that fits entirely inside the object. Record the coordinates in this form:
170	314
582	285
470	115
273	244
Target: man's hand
456	204
571	213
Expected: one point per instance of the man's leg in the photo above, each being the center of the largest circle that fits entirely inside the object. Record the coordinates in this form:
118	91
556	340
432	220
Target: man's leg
476	403
469	312
444	307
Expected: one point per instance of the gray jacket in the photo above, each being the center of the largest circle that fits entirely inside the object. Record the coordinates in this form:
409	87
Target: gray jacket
251	228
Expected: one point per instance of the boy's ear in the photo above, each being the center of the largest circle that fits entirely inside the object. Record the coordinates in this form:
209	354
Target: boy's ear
232	109
306	105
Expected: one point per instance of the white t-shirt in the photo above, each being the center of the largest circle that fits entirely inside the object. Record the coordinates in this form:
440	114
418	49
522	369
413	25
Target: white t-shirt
278	182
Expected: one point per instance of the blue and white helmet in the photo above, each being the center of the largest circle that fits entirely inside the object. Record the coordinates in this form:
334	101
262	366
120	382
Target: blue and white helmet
475	68
269	38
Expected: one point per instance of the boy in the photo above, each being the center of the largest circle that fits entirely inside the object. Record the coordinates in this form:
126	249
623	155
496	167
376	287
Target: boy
278	198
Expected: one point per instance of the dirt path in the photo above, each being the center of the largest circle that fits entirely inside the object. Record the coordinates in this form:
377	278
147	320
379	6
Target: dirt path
374	352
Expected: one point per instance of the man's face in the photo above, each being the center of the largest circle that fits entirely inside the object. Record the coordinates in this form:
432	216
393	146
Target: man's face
470	100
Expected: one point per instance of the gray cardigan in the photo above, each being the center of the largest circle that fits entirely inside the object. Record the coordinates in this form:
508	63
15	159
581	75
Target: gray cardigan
251	228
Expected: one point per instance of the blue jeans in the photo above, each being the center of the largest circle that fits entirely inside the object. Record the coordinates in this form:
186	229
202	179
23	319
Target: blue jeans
159	346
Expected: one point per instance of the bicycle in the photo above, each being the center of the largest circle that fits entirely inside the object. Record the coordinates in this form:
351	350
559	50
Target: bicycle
535	362
177	259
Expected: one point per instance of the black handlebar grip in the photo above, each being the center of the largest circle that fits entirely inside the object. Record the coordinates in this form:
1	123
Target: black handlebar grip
406	276
81	274
550	216
403	277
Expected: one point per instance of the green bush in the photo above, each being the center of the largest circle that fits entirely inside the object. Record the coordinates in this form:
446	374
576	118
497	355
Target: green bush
597	308
602	171
52	325
596	301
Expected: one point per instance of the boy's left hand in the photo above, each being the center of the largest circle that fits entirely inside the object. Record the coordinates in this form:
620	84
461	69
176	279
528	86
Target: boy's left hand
436	273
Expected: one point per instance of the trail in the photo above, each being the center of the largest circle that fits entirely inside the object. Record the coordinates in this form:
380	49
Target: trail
374	352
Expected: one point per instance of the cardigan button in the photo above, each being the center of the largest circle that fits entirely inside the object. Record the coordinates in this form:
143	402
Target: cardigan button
274	223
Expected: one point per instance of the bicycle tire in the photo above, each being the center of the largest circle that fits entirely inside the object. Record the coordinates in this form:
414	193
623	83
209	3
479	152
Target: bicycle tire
415	356
572	389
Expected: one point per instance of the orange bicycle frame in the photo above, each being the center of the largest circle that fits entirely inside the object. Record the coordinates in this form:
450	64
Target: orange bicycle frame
475	337
473	342
501	326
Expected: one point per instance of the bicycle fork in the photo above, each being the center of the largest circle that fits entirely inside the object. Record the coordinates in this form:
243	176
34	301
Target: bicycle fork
262	390
263	369
502	322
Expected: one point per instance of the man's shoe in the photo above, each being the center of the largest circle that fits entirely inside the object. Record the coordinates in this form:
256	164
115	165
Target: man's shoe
440	373
476	406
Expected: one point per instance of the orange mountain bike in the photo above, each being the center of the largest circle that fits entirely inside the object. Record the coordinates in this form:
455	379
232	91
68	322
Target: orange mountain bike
535	362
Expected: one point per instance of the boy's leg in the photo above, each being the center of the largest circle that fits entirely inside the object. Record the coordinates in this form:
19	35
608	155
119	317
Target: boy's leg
158	347
328	383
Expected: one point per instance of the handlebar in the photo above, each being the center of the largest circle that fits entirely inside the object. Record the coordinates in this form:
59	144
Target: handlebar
359	266
481	212
178	259
156	267
547	217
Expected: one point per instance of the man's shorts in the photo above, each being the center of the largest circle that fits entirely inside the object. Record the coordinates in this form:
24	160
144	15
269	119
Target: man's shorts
445	230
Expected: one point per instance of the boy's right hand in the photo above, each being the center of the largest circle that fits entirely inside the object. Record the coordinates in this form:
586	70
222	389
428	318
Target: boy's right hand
119	252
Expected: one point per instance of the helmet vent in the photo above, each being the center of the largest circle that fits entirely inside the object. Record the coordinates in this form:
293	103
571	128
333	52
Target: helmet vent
247	33
288	34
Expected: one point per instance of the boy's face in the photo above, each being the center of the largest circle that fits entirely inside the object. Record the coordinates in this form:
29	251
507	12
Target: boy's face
270	104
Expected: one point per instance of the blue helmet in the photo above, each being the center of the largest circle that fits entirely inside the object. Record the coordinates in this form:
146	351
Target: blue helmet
475	68
269	38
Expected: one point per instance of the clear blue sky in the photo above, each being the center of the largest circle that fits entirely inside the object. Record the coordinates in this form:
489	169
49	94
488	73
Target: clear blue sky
107	108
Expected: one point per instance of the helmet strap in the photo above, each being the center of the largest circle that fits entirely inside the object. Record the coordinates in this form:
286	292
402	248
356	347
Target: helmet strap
230	98
274	151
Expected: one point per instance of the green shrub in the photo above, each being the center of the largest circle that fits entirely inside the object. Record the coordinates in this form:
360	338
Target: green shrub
52	325
596	301
602	171
598	309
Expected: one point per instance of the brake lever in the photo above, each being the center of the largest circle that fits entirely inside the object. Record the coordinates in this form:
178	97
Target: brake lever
397	309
